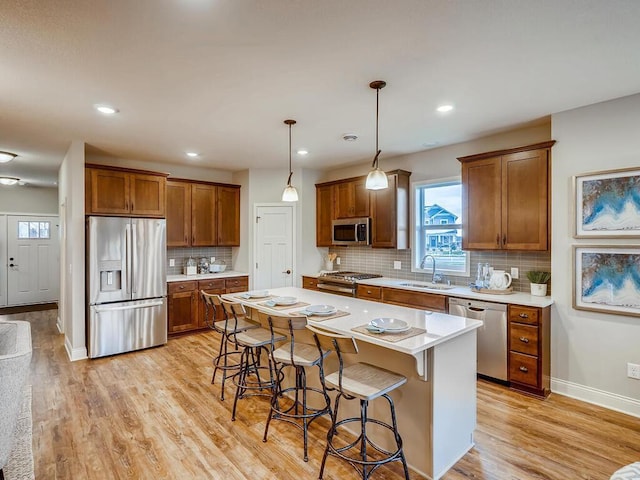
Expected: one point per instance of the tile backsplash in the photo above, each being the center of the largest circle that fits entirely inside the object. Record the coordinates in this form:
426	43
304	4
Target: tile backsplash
181	255
379	260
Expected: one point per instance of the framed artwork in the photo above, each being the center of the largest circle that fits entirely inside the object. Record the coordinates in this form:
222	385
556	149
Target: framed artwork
607	279
608	204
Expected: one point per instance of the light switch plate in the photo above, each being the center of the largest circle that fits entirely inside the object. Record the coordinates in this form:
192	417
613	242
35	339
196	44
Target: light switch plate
397	265
172	262
337	260
515	273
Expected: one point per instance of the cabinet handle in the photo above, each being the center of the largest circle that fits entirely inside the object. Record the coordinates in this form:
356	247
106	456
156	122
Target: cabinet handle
524	339
181	287
504	239
523	369
369	292
132	207
523	315
498	239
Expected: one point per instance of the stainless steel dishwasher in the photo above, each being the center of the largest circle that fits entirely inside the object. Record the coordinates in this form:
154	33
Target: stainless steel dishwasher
492	336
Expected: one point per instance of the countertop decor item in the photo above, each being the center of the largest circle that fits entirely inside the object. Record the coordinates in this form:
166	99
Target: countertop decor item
377	179
290	193
538	281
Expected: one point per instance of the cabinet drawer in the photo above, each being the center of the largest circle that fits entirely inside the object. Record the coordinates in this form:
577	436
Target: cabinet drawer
523	338
217	284
310	282
176	287
523	369
407	298
520	314
236	283
369	293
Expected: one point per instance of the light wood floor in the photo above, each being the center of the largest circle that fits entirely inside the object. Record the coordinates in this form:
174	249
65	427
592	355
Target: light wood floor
154	415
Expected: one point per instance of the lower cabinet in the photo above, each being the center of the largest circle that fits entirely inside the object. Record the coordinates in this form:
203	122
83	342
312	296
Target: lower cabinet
409	298
368	292
529	349
186	307
310	283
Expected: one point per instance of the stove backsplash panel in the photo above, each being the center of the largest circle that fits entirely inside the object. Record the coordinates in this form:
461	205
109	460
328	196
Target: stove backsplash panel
181	255
380	260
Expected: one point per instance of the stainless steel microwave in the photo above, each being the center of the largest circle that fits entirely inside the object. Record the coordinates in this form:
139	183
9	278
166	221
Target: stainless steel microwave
351	231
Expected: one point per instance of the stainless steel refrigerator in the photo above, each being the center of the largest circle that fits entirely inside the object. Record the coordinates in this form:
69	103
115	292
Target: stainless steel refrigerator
126	284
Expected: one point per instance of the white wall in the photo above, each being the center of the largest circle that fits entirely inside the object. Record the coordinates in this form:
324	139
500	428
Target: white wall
590	350
26	199
72	258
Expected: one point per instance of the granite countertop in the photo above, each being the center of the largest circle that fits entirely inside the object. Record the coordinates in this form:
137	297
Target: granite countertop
519	298
206	276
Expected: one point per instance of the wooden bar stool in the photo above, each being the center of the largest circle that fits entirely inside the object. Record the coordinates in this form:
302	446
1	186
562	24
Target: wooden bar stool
290	404
366	383
228	362
253	343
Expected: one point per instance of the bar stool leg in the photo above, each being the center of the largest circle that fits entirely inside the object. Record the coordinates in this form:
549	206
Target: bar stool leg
397	435
330	433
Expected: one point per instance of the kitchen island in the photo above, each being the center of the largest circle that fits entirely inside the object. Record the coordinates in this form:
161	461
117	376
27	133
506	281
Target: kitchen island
436	408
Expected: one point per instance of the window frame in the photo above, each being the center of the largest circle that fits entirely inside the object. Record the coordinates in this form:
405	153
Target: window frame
418	243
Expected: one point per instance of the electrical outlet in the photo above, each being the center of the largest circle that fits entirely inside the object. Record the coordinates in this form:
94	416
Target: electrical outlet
633	370
172	262
337	260
213	259
397	265
515	273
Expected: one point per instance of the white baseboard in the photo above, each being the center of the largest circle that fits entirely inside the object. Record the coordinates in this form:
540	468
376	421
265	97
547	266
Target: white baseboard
612	401
75	353
59	325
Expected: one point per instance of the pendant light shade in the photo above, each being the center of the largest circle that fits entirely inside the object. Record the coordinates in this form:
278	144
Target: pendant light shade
290	194
8	180
377	179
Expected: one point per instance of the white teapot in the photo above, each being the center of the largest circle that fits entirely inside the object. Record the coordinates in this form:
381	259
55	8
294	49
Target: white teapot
500	280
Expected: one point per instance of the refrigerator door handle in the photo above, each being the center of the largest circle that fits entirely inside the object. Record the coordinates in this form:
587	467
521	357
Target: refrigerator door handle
133	265
127	247
101	309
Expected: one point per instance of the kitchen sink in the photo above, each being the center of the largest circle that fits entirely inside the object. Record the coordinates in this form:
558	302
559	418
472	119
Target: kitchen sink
430	286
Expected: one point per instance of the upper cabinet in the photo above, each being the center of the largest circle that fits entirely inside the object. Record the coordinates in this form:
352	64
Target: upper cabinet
351	199
116	191
324	214
388	209
505	199
202	214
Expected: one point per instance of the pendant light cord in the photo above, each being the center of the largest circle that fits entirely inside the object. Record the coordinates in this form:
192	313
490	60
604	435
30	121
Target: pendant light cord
290	170
374	164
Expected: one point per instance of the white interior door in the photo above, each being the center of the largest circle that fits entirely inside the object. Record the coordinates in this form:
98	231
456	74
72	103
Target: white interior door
274	248
33	259
3	260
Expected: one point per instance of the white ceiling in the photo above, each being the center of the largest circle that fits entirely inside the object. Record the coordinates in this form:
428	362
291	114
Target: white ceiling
220	76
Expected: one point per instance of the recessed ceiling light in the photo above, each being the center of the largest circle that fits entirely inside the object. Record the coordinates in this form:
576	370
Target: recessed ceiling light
429	144
302	151
7	157
8	180
106	109
444	108
192	154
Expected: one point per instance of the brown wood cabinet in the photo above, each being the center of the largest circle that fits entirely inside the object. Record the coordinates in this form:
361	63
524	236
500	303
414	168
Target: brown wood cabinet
390	213
388	209
368	292
505	199
117	191
324	215
351	199
529	349
186	307
310	283
409	298
202	214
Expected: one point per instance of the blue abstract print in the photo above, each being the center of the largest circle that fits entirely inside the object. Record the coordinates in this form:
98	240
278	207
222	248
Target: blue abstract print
611	204
611	279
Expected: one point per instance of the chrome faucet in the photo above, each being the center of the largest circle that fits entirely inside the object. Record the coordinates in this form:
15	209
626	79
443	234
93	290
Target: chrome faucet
434	278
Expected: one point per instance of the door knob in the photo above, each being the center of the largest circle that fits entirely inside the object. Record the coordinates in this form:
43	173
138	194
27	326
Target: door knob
288	272
12	265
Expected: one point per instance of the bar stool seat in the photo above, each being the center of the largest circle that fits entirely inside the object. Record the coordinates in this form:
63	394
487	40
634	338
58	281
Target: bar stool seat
303	355
365	383
229	328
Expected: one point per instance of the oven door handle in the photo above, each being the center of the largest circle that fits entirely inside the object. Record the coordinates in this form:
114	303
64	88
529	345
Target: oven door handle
335	288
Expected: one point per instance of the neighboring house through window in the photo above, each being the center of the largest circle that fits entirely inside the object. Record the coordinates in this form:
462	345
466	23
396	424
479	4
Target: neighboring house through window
437	228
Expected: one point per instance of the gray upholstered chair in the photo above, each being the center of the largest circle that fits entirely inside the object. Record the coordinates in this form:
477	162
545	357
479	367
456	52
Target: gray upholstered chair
15	357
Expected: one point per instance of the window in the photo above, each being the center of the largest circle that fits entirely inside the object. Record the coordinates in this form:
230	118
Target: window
437	228
34	229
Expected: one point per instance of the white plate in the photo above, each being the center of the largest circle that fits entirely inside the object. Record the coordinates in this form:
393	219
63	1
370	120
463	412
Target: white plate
284	300
390	324
373	329
321	309
257	294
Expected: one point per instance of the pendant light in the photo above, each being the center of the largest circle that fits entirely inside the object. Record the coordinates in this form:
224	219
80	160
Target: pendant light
377	179
9	180
290	193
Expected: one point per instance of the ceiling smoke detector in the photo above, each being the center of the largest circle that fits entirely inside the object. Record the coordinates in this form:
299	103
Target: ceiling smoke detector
349	137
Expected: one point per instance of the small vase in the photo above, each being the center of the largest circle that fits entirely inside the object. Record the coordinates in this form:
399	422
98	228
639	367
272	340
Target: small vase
539	289
328	265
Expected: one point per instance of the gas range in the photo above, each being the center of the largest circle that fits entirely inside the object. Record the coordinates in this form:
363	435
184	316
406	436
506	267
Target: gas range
344	283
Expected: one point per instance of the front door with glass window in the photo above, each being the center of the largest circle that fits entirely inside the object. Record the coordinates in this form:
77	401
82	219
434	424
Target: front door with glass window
32	259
